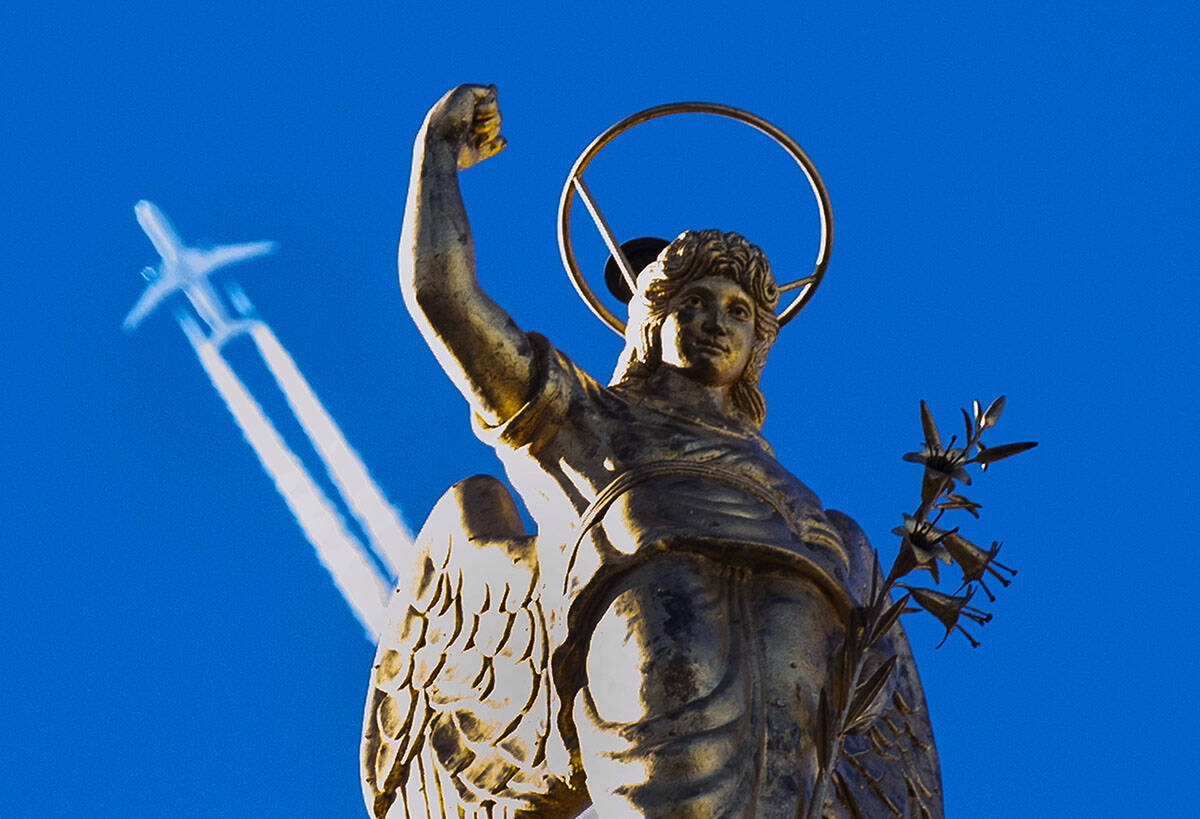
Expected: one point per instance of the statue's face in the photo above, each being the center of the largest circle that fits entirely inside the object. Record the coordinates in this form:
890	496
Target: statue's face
708	333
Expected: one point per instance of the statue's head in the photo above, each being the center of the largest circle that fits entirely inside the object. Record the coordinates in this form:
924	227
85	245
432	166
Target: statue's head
677	278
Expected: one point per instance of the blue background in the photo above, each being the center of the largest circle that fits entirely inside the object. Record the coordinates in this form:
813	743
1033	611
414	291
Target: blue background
1014	192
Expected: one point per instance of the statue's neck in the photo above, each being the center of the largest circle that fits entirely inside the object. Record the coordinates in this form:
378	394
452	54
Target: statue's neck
671	386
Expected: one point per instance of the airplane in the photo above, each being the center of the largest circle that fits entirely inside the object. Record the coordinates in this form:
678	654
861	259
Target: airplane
187	269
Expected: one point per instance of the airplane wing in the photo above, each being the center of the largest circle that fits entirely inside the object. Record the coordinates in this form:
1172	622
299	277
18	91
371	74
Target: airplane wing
209	260
156	225
152	295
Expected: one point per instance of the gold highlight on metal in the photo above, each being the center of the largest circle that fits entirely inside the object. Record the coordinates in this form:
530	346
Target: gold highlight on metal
688	632
807	285
610	241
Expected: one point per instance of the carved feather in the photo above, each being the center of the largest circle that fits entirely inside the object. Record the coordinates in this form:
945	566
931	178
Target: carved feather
458	712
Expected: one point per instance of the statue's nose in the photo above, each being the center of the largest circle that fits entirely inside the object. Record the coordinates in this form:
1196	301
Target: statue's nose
714	322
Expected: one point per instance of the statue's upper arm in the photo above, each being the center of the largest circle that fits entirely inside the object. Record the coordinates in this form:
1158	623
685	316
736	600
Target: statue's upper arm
478	345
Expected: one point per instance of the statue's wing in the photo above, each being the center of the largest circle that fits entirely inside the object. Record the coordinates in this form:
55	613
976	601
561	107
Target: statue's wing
458	711
888	766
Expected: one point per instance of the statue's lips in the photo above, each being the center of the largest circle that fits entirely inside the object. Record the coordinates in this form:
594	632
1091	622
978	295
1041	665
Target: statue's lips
711	346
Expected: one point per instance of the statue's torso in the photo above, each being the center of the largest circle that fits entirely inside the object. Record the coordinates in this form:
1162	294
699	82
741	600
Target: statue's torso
679	614
672	477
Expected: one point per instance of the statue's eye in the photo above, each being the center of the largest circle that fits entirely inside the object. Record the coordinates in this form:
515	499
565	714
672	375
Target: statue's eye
740	312
692	301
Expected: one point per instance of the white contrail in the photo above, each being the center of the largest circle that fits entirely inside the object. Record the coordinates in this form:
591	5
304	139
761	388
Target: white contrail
340	552
390	539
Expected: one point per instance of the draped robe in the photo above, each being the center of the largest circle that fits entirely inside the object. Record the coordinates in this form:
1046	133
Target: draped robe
690	595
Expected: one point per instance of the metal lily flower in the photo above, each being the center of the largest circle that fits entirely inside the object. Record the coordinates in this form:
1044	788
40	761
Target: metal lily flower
923	544
847	700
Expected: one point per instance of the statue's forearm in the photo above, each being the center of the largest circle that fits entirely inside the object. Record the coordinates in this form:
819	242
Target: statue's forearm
480	347
436	250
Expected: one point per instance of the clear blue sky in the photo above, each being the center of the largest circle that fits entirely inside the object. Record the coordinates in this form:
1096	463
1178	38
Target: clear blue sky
1014	192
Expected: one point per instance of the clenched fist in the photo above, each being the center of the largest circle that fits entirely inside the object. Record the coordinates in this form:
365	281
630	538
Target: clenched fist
467	119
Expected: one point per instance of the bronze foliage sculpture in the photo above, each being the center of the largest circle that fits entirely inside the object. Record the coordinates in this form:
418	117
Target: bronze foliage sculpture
689	633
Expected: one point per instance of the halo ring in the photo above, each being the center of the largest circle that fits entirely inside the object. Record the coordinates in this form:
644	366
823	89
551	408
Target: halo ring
806	285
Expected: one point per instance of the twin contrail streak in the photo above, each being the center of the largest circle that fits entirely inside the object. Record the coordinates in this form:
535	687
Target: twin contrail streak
389	538
356	573
342	555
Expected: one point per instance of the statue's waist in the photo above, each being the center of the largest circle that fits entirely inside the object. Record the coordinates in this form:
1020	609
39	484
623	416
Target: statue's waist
716	510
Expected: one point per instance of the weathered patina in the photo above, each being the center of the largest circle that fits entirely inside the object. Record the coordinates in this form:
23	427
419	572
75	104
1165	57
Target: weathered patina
660	645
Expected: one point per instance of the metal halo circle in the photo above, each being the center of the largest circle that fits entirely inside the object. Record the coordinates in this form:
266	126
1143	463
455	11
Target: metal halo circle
807	285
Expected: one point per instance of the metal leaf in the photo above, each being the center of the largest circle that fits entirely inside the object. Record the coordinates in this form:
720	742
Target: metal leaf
853	631
995	453
868	691
888	619
932	439
992	414
931	482
861	724
953	501
822	730
968	426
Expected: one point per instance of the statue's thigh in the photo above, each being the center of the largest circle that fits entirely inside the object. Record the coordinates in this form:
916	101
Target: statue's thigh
701	692
662	720
663	641
797	631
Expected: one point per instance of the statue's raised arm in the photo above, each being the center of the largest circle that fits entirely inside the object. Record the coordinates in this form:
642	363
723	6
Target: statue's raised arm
666	643
478	345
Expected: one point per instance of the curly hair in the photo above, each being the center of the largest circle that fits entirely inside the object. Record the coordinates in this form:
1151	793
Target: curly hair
694	255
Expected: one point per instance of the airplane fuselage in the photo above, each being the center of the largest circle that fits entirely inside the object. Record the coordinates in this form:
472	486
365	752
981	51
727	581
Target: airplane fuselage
187	269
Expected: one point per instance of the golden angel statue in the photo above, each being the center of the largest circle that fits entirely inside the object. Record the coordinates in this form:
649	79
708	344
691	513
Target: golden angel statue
660	646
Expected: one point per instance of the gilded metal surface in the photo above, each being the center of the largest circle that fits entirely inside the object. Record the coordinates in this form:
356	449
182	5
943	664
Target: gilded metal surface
668	642
807	284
